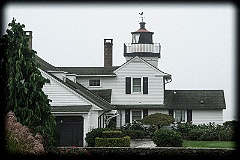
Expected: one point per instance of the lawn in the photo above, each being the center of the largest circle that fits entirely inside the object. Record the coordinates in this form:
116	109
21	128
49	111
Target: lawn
209	144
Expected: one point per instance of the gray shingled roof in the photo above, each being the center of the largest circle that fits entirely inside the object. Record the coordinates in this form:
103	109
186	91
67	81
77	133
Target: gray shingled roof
140	106
194	99
80	108
45	65
104	93
94	98
89	70
89	95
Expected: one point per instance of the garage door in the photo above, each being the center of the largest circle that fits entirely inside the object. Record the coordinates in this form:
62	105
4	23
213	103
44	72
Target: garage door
70	131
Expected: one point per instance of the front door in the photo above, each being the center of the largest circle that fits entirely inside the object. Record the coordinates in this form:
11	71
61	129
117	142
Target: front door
70	130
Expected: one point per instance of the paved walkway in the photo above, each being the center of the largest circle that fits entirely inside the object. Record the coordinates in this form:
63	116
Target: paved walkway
137	143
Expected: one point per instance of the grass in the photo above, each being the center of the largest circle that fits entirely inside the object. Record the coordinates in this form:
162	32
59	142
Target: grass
209	144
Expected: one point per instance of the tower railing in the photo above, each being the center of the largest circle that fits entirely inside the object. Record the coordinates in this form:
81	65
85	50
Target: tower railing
150	48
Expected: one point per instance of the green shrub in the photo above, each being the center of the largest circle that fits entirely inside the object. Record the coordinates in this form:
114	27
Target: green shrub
209	135
134	134
133	126
223	136
158	119
90	136
112	134
184	128
194	134
167	138
113	142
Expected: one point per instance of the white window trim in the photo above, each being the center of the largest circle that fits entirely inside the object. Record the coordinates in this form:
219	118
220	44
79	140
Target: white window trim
185	115
95	86
131	120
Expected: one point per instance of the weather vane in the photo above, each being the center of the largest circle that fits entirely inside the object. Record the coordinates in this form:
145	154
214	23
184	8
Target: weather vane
141	14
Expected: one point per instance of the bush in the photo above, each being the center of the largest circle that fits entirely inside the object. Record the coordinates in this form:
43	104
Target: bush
113	142
158	119
134	134
133	126
184	128
90	136
167	138
112	134
19	139
194	134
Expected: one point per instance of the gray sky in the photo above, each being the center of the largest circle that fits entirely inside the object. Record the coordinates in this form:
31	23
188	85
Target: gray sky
197	40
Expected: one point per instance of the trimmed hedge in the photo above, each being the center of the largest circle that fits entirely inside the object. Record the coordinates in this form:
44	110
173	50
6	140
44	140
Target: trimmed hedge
90	136
112	142
161	151
112	134
134	134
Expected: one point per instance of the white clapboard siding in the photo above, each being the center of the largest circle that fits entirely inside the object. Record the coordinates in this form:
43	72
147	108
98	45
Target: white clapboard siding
138	69
60	95
206	116
135	69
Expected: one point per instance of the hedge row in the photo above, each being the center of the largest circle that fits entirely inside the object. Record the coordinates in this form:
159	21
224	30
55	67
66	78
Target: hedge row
161	151
134	134
206	132
112	142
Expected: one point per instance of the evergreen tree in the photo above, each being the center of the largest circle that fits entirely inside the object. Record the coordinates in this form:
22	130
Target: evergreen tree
23	84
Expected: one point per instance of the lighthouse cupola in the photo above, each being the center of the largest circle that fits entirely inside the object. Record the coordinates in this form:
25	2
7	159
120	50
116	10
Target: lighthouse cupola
142	45
142	35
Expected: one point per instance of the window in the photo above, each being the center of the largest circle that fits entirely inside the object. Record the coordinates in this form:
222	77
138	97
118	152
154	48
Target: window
136	115
180	116
94	82
135	38
136	84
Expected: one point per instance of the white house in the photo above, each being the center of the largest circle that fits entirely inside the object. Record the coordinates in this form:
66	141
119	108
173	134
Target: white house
88	97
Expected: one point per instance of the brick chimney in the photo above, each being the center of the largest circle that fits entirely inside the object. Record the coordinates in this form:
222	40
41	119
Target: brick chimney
108	52
29	34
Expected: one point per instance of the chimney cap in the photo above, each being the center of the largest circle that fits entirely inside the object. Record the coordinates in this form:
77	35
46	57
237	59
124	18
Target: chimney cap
108	41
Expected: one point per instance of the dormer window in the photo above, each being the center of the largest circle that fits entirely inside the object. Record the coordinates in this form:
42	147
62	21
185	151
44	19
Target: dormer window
94	83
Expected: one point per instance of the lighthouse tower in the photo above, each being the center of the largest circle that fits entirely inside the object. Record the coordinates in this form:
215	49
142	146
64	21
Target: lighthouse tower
142	45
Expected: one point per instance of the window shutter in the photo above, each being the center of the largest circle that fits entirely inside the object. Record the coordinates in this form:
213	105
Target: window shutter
145	85
128	85
145	112
189	115
127	115
170	112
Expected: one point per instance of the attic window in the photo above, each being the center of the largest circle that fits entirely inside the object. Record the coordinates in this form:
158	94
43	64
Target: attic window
94	83
136	84
201	102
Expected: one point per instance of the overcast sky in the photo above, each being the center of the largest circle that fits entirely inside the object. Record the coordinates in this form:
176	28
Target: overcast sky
197	40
